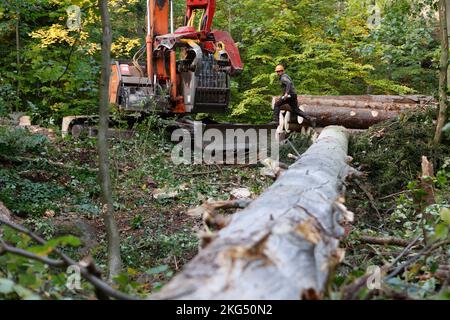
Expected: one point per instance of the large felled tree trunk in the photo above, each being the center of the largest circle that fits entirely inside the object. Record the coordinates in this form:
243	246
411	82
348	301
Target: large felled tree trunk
442	118
114	260
378	102
285	244
355	112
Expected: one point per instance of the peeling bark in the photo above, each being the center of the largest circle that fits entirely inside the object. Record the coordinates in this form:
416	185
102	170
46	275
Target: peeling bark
284	245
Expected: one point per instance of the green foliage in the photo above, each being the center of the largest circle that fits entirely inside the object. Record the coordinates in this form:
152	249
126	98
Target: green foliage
392	151
23	278
59	68
405	45
19	142
25	197
393	202
328	48
33	187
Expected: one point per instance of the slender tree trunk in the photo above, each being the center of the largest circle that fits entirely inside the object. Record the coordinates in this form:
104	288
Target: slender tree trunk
18	59
229	19
114	260
442	117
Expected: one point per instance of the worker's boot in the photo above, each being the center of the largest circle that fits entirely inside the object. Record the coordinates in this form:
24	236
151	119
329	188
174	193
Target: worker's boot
312	122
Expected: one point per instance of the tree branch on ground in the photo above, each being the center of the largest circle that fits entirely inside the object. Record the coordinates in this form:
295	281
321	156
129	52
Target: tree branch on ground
391	241
103	289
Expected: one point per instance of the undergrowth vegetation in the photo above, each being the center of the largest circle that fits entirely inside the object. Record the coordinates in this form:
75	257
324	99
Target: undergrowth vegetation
52	188
395	200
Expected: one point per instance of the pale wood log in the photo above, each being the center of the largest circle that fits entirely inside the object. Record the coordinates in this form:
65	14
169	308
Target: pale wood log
352	118
380	102
356	112
285	243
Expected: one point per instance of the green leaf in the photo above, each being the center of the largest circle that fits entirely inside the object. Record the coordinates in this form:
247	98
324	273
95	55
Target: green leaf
6	286
27	280
121	279
158	269
445	215
446	127
441	231
25	294
50	245
64	241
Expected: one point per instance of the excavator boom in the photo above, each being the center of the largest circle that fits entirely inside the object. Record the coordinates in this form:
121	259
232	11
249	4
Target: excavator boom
187	70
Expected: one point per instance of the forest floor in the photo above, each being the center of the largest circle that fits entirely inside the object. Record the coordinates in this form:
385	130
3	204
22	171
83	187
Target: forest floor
50	185
396	201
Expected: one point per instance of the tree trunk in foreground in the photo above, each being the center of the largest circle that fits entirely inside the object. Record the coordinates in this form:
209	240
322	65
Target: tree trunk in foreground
285	244
442	118
114	260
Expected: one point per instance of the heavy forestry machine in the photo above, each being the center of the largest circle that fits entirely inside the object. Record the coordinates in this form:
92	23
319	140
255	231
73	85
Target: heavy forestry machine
186	71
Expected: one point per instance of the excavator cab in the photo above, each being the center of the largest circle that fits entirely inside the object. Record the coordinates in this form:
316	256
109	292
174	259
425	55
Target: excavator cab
187	70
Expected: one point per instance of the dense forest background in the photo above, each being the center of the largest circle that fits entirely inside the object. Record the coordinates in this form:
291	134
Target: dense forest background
49	184
329	47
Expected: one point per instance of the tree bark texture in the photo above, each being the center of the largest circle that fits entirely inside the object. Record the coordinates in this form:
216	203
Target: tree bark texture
114	260
442	117
285	244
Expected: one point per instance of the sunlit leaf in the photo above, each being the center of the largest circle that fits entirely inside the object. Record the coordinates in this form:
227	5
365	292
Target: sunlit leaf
445	215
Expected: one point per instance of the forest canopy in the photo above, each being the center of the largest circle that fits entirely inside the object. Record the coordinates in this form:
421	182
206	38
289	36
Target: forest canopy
330	47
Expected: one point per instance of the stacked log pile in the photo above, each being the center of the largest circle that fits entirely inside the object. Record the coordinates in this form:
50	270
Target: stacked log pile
353	112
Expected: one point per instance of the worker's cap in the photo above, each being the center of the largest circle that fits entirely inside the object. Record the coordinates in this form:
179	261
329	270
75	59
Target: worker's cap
279	68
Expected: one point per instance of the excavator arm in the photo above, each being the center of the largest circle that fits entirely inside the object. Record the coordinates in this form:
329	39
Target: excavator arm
187	70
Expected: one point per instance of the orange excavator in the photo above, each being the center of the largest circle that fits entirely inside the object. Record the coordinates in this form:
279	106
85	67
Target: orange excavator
186	71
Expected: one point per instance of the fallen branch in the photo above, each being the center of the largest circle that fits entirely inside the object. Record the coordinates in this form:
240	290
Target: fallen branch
425	252
369	197
85	269
24	253
394	194
391	241
351	291
211	219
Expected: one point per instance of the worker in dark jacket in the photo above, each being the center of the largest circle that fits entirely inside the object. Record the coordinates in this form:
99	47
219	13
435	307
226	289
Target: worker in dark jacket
289	97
